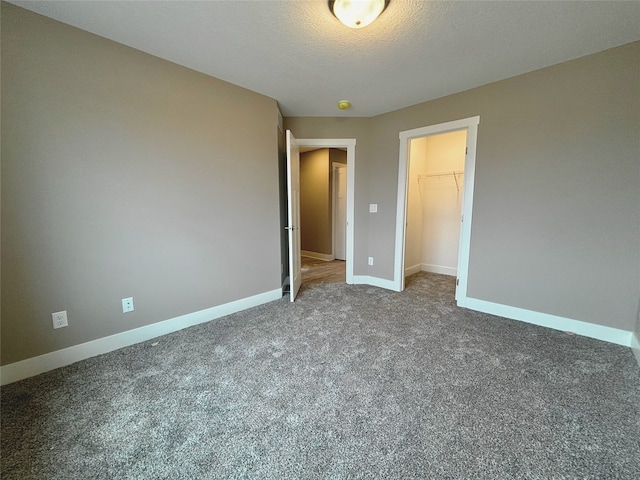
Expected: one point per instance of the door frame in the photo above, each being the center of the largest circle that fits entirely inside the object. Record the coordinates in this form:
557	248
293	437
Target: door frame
335	167
471	126
350	145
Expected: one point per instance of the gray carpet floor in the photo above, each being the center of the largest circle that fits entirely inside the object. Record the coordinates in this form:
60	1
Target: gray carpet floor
348	382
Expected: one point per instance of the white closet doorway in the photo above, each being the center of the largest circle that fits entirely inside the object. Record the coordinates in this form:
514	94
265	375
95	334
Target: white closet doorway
435	200
434	203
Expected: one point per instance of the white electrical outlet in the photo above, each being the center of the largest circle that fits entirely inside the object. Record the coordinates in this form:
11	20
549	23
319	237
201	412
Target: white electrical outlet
127	305
59	319
370	260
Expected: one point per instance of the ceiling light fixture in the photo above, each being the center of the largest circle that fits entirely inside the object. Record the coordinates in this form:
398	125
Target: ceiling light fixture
357	13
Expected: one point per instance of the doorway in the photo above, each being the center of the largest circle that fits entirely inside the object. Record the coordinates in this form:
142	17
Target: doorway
463	177
322	216
349	145
434	203
323	188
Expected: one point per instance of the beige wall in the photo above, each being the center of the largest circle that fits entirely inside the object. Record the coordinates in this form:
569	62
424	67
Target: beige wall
315	202
556	216
125	175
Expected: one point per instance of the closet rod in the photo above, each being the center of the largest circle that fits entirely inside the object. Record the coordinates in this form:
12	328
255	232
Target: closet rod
453	174
444	174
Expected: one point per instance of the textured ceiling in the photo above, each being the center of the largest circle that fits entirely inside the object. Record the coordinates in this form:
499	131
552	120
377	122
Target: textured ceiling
297	52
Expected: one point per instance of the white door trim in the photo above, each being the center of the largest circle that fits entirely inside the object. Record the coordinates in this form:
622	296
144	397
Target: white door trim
350	145
335	167
471	125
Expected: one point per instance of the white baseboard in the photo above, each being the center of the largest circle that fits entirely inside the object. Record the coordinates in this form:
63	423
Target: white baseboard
635	346
319	256
425	267
374	281
411	270
452	272
600	332
50	361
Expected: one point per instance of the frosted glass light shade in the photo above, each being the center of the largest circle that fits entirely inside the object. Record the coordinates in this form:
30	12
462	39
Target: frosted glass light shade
357	13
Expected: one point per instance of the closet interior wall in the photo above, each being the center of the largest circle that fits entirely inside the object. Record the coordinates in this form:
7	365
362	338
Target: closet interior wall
434	203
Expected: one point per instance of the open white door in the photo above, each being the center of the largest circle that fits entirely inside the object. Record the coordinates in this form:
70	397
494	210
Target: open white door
293	219
339	211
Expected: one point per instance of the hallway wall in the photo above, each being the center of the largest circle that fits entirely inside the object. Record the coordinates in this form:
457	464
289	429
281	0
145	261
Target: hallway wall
316	227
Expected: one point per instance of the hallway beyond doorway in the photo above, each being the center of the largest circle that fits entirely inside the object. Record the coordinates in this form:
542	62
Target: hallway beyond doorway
321	271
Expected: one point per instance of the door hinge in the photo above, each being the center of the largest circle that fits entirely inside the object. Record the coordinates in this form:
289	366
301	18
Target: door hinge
466	150
461	218
457	282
